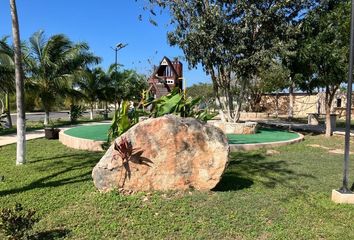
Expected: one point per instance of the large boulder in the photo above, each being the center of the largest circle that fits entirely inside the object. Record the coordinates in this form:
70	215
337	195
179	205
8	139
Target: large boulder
170	153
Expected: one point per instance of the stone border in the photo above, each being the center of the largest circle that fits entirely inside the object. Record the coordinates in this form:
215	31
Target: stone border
95	146
255	146
80	143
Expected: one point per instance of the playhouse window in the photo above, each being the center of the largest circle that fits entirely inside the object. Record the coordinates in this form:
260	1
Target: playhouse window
339	102
169	81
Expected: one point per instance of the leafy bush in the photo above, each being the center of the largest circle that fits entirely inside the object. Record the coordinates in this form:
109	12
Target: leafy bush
76	111
16	223
123	119
2	120
173	103
177	103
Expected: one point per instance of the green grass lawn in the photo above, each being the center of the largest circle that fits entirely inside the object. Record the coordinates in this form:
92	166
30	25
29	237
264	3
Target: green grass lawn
284	196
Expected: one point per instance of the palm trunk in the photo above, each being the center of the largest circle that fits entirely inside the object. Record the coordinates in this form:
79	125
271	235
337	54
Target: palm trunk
46	117
277	104
8	112
106	111
20	98
91	111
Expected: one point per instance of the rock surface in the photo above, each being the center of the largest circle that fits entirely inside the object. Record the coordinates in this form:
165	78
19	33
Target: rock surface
170	153
235	128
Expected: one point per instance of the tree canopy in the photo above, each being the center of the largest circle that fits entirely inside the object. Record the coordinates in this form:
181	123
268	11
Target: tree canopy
53	64
231	39
7	66
325	49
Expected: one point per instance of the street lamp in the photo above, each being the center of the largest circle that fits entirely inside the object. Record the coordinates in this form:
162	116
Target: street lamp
344	194
345	188
118	47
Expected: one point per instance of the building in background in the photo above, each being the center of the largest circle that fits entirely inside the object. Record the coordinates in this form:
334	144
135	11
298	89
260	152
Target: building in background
167	76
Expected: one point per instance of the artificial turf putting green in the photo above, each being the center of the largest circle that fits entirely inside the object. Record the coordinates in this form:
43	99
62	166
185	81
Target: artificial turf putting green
262	136
99	133
93	132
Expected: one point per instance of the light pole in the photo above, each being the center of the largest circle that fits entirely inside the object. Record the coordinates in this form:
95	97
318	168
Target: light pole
345	188
118	47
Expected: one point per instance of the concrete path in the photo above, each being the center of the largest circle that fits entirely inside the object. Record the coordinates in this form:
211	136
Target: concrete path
303	127
294	126
12	138
39	116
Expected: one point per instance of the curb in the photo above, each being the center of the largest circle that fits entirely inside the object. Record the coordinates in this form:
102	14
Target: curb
255	146
80	143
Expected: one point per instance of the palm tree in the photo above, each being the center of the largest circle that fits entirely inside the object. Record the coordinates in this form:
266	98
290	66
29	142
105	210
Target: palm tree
21	123
54	64
7	75
126	85
92	84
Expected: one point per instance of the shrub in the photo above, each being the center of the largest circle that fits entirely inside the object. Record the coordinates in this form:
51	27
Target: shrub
76	111
16	222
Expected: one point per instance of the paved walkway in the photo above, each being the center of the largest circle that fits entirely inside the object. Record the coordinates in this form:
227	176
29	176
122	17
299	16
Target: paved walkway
302	127
294	126
12	138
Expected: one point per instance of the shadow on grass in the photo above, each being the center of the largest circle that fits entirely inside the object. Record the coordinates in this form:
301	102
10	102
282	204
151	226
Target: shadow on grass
56	157
247	168
51	234
232	182
74	173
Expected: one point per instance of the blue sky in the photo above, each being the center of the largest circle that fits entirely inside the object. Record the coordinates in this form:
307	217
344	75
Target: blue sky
101	24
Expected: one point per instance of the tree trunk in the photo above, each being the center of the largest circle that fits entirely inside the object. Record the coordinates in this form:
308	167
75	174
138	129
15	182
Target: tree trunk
328	122
276	105
91	111
328	104
46	117
20	98
291	101
8	112
105	117
118	106
255	102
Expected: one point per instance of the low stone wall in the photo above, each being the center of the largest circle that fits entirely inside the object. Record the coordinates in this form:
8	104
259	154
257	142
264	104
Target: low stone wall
235	128
253	115
80	143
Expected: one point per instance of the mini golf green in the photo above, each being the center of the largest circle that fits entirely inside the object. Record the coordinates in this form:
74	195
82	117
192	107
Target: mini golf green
99	133
92	132
262	136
